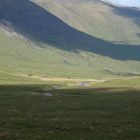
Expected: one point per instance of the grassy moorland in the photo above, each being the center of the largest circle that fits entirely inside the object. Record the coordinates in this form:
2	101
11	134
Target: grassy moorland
105	110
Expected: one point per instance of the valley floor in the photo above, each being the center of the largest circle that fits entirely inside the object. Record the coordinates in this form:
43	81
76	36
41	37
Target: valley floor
33	109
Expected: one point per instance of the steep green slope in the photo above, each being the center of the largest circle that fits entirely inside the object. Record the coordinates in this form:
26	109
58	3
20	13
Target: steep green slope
117	24
34	41
19	55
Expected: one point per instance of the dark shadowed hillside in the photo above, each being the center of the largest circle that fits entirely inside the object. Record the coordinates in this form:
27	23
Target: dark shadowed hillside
33	40
36	23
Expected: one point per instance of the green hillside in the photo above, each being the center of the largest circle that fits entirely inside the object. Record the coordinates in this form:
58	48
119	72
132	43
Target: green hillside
18	55
117	24
34	41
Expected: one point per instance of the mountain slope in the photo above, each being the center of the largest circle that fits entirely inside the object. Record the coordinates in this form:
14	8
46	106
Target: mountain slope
19	55
113	23
32	40
38	24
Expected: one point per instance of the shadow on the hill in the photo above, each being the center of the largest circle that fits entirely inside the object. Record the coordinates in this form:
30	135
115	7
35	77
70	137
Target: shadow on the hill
138	34
128	12
38	24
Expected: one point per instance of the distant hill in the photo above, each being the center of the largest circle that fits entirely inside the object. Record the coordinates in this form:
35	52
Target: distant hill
35	40
97	18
